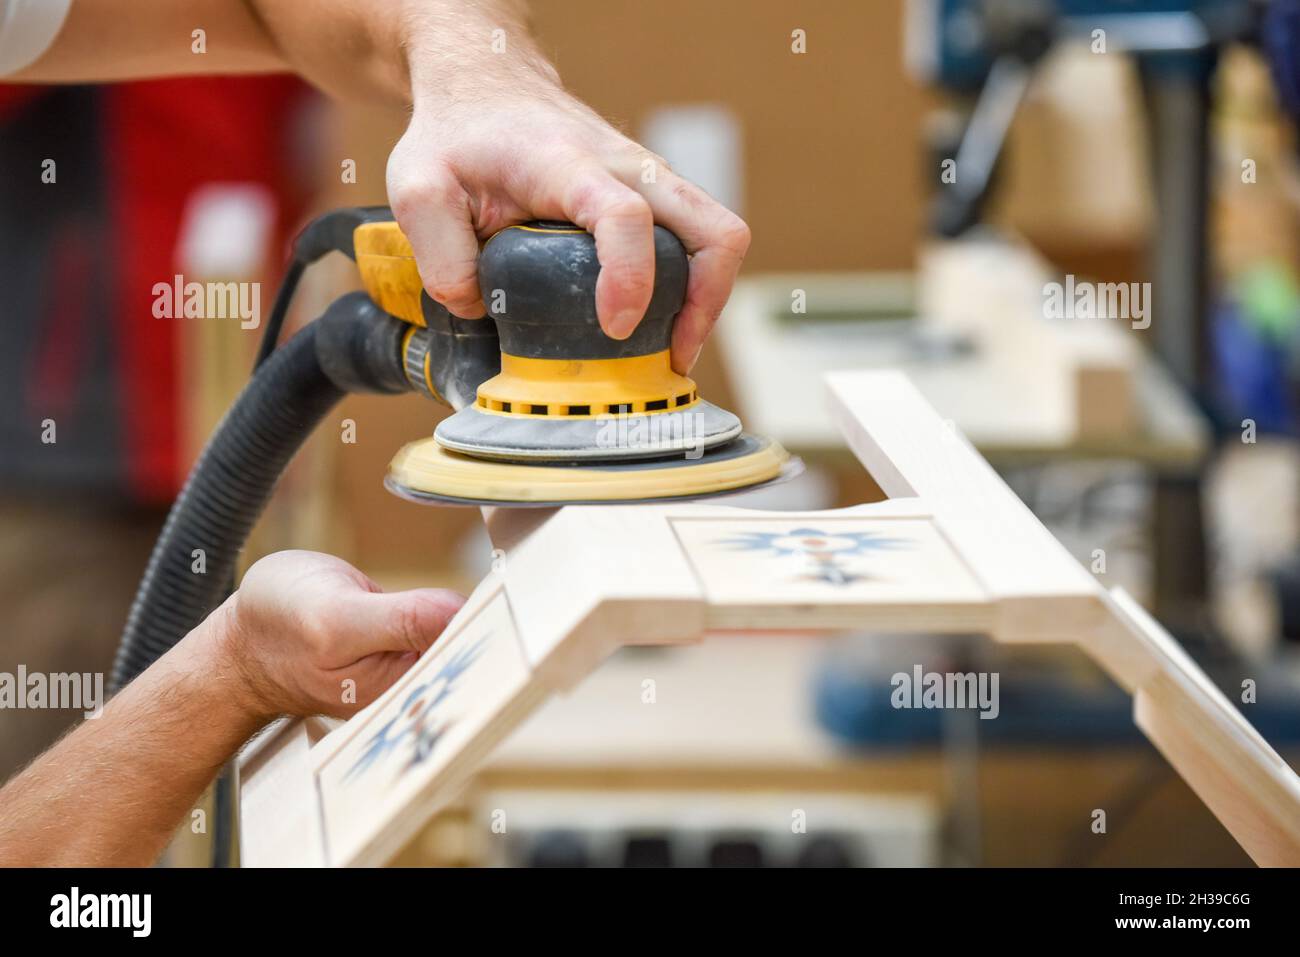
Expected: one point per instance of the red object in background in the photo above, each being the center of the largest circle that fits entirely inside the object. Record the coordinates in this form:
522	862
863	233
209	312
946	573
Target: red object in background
165	139
161	141
12	97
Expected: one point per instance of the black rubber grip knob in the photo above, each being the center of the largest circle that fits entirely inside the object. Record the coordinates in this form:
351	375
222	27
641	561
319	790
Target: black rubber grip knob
538	282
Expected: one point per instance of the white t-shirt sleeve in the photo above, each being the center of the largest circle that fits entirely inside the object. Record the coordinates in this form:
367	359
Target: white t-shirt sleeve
27	28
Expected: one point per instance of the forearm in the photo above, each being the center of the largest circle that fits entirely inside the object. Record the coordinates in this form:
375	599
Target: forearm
392	51
406	51
456	52
113	792
111	40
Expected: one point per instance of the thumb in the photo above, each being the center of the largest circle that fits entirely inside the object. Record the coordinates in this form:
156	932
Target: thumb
434	212
405	622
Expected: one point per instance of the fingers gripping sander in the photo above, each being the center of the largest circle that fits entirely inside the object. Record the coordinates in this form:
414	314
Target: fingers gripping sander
549	409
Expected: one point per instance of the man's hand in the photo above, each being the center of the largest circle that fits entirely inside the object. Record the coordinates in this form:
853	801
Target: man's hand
309	634
494	138
464	170
113	791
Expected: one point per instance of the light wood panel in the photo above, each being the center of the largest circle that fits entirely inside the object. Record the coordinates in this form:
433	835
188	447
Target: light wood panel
574	584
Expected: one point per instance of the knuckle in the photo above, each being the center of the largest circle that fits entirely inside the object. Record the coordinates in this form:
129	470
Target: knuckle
403	197
663	165
408	628
734	234
411	196
634	163
584	197
629	209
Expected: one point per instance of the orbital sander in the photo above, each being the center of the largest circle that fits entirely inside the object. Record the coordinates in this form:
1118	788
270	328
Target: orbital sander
549	409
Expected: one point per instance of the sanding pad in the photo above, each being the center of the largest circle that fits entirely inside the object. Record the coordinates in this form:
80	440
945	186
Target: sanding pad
426	472
607	438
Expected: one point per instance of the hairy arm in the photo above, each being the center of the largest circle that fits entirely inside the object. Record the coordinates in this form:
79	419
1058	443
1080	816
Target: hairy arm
353	49
494	138
112	793
107	40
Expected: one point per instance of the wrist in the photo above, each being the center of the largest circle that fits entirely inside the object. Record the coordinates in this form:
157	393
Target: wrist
218	666
466	52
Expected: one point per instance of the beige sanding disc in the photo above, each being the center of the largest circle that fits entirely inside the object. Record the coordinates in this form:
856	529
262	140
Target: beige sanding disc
424	470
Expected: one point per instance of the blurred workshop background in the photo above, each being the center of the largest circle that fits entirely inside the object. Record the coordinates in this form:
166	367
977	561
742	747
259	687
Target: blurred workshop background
1157	440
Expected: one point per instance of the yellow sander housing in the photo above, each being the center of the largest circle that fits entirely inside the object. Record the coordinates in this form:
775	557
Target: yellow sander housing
548	409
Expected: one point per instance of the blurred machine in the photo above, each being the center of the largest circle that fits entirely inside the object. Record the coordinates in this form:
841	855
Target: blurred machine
985	52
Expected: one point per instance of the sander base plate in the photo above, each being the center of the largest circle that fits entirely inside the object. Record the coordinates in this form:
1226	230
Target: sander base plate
427	473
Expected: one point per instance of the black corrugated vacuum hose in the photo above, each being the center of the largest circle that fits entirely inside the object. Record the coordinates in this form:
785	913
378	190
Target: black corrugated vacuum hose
331	232
353	347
